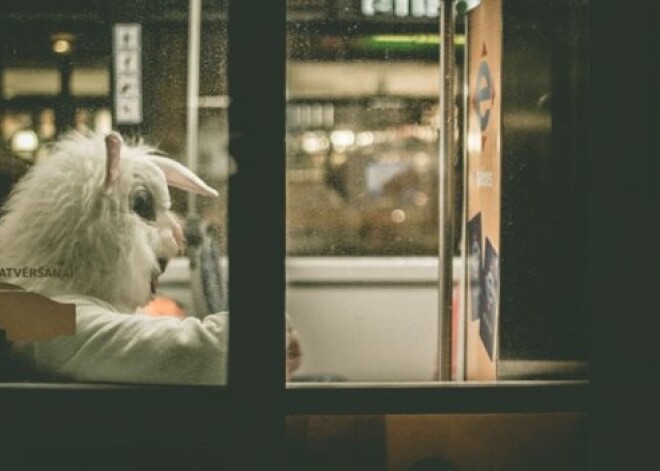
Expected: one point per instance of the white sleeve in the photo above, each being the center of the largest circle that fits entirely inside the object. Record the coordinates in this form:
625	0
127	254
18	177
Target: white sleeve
136	348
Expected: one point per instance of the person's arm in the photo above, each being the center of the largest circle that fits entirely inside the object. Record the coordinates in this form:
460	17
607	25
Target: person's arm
135	348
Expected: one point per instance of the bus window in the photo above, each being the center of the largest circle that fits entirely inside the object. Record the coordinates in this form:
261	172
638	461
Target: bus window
364	206
362	189
125	228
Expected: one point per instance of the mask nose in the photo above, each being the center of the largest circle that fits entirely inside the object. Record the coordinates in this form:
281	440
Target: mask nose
177	232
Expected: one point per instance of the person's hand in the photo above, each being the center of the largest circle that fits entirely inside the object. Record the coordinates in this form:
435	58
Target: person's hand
293	352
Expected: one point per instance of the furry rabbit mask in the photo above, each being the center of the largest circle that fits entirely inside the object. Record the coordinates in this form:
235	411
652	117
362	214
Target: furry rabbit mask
97	210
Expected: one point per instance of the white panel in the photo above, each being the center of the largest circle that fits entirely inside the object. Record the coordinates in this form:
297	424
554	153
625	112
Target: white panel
368	7
362	269
350	79
94	82
43	81
37	81
401	7
367	334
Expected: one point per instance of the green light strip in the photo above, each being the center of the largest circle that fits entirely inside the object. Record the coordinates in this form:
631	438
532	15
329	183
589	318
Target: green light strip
405	39
413	39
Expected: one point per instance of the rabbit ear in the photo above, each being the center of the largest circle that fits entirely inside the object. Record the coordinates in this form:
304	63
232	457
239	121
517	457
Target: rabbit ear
113	143
181	177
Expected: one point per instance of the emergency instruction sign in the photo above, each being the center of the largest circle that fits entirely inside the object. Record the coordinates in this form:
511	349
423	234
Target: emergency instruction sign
127	52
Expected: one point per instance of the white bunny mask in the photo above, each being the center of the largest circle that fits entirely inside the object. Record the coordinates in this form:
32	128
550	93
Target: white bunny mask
99	209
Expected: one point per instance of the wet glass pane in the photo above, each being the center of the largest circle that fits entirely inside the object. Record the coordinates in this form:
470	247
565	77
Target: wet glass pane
113	260
544	327
362	188
363	126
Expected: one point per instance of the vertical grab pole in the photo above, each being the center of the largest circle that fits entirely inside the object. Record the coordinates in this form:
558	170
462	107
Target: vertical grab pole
446	196
192	134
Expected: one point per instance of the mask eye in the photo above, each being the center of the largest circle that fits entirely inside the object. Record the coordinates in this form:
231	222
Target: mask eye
142	203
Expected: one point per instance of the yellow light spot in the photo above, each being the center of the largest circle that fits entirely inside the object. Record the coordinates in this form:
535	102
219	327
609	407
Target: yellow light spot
62	46
398	216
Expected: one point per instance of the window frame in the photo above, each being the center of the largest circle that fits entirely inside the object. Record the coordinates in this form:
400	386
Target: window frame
256	401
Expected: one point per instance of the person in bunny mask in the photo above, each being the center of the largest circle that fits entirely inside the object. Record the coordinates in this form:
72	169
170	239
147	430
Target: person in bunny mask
100	208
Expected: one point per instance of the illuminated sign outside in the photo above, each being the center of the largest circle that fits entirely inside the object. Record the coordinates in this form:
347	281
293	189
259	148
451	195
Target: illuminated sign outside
400	8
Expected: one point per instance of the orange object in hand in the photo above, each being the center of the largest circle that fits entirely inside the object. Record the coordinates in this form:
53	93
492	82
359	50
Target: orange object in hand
163	306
